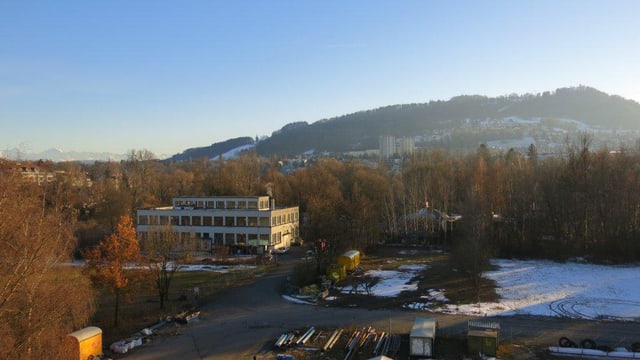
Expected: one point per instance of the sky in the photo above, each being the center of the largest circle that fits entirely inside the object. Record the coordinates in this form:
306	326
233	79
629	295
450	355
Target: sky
112	76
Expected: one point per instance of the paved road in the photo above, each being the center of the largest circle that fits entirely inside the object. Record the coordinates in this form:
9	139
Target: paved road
246	321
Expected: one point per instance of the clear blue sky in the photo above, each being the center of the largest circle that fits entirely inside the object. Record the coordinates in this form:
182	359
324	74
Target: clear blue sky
170	75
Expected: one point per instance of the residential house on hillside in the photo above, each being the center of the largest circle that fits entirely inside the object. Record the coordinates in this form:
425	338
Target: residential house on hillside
427	222
34	174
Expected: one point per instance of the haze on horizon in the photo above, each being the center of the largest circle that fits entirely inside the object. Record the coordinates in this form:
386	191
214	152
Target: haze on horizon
167	76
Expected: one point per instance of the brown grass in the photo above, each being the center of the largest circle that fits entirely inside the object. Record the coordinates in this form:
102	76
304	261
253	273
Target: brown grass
140	307
440	274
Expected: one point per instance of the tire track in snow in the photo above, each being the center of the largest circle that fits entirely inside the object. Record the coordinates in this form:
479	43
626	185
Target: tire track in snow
574	308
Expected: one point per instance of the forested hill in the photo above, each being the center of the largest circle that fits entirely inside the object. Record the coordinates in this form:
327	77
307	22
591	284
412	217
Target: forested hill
361	130
213	150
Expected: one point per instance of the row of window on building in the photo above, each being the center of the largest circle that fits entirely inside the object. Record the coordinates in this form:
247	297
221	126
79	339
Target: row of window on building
261	203
204	240
191	220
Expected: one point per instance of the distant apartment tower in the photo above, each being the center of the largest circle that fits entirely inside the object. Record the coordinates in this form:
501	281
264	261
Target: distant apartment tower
390	146
246	223
387	146
406	146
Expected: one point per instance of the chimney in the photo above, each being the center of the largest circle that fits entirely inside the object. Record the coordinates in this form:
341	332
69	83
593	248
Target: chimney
273	203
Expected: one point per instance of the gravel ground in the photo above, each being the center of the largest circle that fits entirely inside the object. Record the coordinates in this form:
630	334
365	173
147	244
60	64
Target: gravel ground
245	322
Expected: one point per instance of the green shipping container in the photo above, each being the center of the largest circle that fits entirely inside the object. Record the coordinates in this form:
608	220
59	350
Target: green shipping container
482	342
336	272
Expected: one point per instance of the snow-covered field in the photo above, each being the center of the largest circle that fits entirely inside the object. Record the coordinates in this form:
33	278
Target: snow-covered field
186	267
215	268
532	287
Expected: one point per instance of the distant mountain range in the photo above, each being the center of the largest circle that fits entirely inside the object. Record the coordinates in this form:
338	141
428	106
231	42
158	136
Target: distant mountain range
58	155
462	122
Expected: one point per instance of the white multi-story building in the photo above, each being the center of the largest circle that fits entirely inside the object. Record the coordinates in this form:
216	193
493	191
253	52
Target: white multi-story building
406	146
233	221
387	146
391	146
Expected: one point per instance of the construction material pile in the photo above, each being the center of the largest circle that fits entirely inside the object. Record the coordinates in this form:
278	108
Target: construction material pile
361	343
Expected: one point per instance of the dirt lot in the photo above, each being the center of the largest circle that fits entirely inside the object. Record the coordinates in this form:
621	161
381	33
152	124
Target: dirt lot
440	274
139	306
251	325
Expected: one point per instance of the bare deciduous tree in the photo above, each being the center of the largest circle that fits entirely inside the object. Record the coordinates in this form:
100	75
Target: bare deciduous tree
163	256
40	300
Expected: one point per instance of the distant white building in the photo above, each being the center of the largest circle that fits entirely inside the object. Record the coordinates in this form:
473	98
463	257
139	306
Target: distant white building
35	175
249	223
406	146
38	176
387	146
390	146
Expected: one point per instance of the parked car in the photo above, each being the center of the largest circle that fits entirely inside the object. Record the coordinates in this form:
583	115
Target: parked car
282	250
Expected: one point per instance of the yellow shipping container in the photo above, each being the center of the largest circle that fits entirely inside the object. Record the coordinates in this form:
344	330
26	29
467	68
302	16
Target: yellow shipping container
350	259
84	344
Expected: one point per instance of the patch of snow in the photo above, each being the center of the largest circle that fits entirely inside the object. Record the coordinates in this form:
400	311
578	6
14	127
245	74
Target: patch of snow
512	143
518	120
579	124
560	289
532	287
414	268
390	282
296	300
234	153
196	267
433	298
437	295
408	252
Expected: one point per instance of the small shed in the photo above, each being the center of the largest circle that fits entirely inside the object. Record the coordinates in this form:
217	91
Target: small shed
84	343
482	337
422	337
350	259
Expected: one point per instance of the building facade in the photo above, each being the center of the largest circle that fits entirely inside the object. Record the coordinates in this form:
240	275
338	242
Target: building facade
387	146
406	146
391	146
240	223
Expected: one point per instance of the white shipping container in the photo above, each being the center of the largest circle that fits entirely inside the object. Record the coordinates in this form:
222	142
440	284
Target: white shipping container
422	337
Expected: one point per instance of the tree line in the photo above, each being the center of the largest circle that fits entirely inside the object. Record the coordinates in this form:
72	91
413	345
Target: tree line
580	202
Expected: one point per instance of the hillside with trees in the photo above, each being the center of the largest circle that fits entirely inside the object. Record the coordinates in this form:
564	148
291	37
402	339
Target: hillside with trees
455	117
361	130
212	151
